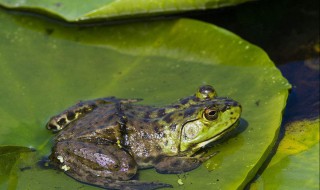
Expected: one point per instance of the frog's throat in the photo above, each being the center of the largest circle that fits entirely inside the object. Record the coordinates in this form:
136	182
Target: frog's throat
216	137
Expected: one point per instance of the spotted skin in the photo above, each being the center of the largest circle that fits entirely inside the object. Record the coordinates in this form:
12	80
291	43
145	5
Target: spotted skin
106	141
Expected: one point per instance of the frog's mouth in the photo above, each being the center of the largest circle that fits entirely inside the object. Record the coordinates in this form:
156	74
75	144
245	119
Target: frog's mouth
219	135
227	130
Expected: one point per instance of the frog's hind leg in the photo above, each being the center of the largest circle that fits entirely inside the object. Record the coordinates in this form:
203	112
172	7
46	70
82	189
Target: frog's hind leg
106	166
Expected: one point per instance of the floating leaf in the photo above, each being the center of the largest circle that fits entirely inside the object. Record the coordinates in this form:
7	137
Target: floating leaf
296	163
46	67
111	9
9	158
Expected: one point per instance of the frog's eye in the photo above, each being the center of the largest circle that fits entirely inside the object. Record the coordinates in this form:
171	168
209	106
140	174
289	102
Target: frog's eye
206	92
210	114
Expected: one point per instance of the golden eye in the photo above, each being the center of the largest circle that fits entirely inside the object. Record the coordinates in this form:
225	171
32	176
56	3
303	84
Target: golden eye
210	114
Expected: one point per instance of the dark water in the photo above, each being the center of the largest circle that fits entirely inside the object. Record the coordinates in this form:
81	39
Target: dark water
288	30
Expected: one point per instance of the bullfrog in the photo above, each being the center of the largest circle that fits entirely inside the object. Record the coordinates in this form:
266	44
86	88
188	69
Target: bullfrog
105	141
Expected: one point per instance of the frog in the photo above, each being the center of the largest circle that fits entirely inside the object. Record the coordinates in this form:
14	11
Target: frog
106	141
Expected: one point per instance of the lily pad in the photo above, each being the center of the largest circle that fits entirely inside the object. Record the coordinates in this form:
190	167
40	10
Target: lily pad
10	156
111	9
296	163
48	66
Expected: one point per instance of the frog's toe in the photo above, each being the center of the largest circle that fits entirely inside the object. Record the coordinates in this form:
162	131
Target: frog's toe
57	123
60	121
117	184
135	185
140	185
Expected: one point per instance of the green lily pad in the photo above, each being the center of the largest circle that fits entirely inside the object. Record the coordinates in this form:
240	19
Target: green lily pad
46	67
82	10
296	163
10	157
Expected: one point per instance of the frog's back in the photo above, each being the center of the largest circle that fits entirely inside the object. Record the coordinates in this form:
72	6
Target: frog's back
146	133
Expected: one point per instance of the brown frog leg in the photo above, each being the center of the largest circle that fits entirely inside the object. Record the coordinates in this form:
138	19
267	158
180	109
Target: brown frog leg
60	121
176	165
106	166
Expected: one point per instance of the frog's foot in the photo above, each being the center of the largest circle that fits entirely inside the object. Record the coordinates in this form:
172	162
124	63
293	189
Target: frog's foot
116	184
202	158
176	165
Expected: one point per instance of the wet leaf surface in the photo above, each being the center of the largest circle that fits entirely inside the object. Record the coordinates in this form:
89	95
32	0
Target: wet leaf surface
296	163
10	159
111	9
46	67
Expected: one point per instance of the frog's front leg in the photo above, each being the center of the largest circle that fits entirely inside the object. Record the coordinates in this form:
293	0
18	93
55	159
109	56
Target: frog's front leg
105	166
60	121
176	165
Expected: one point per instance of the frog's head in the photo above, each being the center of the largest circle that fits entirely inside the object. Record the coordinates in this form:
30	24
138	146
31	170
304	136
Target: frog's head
211	119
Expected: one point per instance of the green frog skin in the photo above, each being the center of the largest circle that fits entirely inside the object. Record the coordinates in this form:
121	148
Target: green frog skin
104	142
